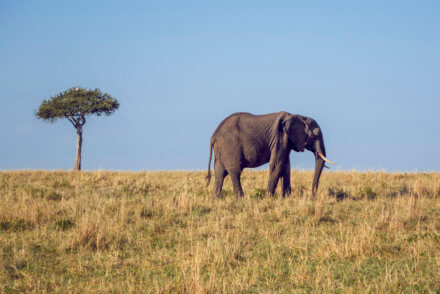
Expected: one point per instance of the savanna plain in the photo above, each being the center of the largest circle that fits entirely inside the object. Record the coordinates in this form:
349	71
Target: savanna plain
155	232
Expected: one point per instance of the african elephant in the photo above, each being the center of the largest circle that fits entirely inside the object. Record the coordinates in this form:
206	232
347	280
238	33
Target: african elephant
246	140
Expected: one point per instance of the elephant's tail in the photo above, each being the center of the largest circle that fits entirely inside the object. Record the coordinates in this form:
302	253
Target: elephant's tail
208	177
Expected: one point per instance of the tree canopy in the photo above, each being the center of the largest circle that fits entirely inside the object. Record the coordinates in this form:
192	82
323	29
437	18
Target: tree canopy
76	104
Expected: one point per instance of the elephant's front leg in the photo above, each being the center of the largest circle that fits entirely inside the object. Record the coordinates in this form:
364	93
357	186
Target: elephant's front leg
286	188
275	172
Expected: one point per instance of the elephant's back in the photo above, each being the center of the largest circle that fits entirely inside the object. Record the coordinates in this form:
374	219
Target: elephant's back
246	120
230	124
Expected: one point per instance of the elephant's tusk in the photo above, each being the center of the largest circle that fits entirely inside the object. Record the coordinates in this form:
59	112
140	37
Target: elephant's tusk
323	157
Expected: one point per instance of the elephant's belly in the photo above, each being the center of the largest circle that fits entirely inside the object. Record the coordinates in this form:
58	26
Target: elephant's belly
255	158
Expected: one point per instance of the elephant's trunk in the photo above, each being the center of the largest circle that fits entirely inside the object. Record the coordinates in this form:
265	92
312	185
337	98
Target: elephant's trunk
319	165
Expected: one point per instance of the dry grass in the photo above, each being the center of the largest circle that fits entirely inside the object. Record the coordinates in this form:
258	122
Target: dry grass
163	232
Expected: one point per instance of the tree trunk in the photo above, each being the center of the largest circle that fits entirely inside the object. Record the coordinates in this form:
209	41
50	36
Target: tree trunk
77	166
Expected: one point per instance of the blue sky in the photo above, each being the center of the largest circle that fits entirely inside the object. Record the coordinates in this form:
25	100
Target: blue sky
367	71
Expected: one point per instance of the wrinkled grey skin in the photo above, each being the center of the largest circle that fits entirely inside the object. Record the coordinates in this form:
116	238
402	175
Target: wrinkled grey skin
246	140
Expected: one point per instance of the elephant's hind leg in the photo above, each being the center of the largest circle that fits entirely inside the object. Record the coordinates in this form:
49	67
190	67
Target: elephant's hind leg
235	177
220	174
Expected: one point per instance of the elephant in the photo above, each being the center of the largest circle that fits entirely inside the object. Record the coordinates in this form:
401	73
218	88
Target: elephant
244	140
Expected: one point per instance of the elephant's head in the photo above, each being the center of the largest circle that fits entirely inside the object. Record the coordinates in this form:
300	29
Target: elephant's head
305	133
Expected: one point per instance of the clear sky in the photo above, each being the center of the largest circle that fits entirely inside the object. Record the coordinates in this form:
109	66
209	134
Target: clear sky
367	71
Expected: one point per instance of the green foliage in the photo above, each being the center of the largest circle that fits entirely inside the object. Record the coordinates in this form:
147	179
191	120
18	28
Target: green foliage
259	193
76	104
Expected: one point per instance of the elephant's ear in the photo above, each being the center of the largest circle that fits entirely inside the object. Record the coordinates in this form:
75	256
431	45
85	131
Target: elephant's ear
278	125
277	129
307	124
291	121
286	123
296	127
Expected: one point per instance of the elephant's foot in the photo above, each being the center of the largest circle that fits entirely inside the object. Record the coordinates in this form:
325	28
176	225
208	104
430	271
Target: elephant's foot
287	192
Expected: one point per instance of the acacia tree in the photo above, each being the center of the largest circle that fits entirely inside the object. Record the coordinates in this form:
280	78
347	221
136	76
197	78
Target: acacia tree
76	104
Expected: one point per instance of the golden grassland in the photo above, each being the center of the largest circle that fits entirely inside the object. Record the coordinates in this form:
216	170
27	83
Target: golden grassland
163	232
